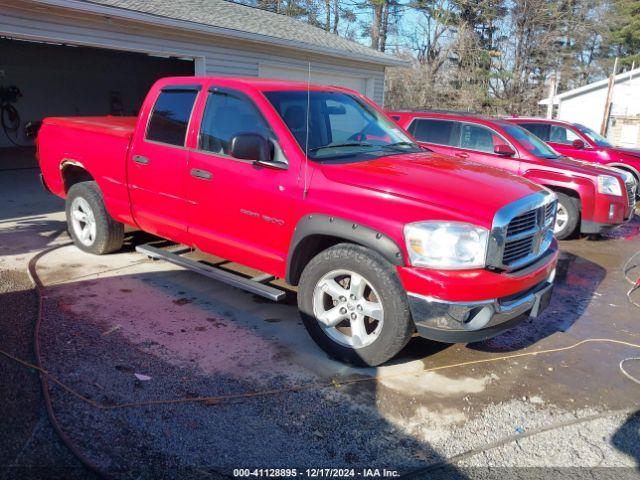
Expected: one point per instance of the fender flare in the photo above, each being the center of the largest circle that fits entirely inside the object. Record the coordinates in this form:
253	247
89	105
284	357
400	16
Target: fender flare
350	231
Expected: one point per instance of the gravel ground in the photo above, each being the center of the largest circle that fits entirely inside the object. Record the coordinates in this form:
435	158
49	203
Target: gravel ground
29	447
192	337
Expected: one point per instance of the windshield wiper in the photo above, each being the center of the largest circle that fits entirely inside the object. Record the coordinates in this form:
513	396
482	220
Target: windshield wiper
400	144
340	145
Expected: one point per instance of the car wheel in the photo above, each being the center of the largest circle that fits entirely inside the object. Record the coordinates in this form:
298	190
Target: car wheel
567	217
353	305
90	225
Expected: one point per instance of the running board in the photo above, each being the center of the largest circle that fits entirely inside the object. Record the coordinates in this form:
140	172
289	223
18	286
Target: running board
254	285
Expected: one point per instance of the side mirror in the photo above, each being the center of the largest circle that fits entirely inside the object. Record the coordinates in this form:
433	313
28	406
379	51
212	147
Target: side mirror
250	146
577	143
504	150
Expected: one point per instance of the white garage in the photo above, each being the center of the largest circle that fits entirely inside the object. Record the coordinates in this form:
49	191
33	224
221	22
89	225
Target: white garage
76	57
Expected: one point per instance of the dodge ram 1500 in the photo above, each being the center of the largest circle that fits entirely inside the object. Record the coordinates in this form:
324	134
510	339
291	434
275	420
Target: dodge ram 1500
315	185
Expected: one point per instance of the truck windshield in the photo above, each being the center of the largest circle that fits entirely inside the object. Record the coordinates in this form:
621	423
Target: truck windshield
593	136
340	126
530	142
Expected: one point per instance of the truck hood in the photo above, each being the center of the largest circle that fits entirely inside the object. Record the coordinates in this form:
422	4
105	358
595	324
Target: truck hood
448	184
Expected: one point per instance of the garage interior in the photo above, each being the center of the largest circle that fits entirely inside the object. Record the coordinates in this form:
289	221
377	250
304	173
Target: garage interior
68	80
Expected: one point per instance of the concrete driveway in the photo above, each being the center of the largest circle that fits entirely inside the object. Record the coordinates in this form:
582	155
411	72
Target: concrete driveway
123	329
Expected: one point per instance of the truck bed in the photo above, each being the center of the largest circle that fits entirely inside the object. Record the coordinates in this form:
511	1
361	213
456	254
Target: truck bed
109	125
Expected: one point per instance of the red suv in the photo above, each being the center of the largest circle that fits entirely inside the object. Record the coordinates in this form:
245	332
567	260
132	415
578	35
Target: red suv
591	198
577	141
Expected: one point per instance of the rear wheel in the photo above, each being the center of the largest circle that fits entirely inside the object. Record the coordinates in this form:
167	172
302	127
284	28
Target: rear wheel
90	225
567	218
354	306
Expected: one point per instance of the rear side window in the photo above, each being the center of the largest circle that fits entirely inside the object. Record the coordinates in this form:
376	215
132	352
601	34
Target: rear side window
441	132
540	130
170	116
226	116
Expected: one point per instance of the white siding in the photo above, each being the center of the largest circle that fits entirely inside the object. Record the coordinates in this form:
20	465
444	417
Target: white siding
588	107
219	55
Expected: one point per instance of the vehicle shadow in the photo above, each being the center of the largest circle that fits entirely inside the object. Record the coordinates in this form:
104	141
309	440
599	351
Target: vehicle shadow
577	280
30	234
193	337
627	438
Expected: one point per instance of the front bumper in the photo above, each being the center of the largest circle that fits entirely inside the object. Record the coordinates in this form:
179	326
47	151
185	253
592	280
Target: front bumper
463	322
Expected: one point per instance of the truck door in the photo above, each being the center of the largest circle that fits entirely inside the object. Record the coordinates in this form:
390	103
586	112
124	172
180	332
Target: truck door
239	210
158	161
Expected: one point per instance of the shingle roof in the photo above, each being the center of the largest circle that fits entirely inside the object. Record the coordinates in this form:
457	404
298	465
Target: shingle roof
236	18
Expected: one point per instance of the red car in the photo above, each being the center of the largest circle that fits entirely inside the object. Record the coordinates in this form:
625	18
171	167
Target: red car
580	142
315	185
591	198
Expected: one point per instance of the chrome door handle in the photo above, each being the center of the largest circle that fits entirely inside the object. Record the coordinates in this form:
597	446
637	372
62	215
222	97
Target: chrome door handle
202	174
139	159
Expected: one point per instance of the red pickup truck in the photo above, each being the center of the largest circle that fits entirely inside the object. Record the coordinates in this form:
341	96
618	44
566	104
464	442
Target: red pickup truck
591	198
315	185
577	141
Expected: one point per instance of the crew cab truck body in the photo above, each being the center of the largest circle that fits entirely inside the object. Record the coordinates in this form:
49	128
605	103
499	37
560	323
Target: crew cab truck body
592	198
381	238
580	142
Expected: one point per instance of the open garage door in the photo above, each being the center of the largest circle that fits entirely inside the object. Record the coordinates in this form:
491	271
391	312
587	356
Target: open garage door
360	84
56	79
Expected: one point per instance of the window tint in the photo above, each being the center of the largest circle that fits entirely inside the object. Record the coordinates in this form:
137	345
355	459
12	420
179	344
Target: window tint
540	130
441	132
564	135
226	116
482	139
170	116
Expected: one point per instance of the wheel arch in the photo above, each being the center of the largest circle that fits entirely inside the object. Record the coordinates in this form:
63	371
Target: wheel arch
315	233
627	168
72	172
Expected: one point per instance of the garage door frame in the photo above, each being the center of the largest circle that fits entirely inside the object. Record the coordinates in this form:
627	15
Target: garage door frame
199	62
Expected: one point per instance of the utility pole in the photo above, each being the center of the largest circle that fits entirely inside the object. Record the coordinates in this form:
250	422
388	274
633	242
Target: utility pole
552	95
607	105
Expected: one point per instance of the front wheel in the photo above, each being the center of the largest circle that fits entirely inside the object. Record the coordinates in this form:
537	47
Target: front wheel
354	306
567	217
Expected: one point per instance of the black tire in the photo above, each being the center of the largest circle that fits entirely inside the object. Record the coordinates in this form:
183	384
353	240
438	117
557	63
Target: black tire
109	234
397	326
572	207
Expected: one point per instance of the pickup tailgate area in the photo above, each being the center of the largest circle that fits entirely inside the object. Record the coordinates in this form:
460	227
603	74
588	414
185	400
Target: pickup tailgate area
98	145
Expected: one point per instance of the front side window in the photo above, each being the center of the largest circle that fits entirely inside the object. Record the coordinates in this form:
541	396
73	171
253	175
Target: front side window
440	132
337	125
170	116
530	142
225	116
479	138
540	130
594	137
563	135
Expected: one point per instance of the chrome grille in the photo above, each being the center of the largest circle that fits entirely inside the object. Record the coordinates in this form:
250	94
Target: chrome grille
517	249
522	231
631	193
522	223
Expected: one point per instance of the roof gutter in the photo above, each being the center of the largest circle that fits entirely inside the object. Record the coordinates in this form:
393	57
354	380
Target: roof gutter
157	20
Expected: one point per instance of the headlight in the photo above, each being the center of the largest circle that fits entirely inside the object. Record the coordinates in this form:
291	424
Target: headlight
609	185
447	245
